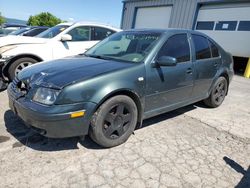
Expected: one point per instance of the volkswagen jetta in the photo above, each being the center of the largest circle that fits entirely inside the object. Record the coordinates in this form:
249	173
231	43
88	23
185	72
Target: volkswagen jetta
124	79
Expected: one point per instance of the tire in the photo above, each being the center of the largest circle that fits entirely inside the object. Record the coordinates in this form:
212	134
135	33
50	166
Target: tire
218	93
18	65
114	121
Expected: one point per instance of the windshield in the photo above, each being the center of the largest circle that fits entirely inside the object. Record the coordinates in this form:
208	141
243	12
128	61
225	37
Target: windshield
19	31
53	31
132	46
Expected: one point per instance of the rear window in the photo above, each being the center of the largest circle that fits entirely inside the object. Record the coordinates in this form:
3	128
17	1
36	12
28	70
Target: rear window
214	49
202	48
99	33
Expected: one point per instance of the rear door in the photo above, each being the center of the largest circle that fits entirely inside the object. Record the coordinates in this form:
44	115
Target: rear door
100	33
207	62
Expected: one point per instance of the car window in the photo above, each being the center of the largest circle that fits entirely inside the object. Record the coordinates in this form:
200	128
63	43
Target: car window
214	49
202	48
81	33
176	46
19	31
10	29
99	33
53	31
125	46
34	32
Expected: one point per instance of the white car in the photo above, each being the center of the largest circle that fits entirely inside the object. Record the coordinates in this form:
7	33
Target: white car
66	39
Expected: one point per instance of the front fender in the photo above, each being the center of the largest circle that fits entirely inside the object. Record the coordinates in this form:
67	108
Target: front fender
98	88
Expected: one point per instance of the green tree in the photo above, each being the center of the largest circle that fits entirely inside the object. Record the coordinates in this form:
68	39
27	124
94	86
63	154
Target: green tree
2	19
44	19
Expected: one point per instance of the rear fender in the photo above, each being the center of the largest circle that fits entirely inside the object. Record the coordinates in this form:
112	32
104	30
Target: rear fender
221	72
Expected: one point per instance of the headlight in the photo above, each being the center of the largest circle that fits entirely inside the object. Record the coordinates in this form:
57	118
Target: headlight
45	96
7	48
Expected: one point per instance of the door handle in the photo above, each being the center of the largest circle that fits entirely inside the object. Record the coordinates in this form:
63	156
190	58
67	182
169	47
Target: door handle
189	71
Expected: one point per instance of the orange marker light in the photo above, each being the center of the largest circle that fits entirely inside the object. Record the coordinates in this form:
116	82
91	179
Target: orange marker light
77	114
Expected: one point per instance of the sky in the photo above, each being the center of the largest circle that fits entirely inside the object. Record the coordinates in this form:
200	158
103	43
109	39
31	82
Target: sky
103	11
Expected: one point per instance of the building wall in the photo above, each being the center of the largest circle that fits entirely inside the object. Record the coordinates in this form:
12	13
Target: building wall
183	11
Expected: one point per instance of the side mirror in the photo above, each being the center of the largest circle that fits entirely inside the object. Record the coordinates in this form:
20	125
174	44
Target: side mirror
166	61
66	37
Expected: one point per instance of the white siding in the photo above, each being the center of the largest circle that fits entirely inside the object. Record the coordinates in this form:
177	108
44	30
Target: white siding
153	17
236	42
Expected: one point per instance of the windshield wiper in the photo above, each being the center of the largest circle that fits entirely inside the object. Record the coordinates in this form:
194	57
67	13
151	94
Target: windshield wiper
97	56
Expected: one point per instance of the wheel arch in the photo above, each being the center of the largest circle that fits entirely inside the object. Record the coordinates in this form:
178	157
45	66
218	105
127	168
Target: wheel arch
13	59
225	75
222	73
133	95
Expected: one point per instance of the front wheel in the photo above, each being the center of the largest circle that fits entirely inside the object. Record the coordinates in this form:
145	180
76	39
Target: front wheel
218	93
114	121
18	65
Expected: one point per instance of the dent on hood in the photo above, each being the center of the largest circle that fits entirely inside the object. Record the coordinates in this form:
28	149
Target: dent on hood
38	80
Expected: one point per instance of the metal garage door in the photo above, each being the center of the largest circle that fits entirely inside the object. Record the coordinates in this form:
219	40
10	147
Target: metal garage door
153	17
229	25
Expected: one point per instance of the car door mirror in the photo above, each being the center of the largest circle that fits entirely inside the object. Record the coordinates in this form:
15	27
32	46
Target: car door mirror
166	61
66	37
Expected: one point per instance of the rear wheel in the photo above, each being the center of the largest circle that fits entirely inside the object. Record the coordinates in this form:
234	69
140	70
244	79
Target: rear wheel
114	121
18	65
218	93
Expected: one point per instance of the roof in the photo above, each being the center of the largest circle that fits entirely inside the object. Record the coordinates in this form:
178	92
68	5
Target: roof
90	24
13	25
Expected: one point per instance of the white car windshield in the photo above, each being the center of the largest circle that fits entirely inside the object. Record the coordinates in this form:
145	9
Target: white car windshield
53	31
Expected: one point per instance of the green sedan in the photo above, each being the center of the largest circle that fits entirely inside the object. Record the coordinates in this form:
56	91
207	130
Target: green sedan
126	78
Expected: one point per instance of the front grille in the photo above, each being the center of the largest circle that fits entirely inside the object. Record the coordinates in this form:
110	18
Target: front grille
18	89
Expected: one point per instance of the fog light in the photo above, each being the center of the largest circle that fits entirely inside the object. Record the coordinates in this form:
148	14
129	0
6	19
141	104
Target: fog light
77	114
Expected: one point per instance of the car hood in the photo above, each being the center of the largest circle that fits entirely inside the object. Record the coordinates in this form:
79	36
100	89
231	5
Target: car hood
62	72
12	40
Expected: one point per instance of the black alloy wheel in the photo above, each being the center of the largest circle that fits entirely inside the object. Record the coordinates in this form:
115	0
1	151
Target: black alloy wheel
114	121
117	121
218	93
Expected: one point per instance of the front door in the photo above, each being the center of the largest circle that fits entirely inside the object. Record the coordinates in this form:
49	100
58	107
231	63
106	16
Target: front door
169	85
81	41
